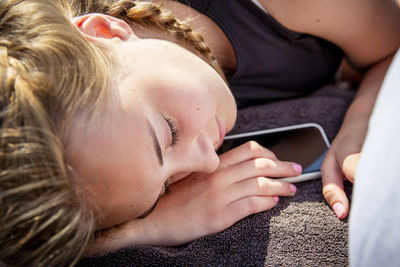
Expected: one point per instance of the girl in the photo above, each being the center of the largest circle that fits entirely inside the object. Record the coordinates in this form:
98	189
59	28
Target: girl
104	103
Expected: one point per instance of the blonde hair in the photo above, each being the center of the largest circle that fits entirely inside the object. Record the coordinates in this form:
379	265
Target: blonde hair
49	74
44	218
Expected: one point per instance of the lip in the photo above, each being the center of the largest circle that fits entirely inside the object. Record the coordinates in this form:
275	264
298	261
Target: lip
164	189
162	192
222	132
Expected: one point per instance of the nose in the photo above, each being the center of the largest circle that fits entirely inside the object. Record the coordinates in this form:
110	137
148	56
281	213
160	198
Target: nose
204	154
200	156
209	163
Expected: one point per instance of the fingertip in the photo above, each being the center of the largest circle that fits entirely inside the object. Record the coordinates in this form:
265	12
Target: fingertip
349	166
336	197
339	210
293	188
297	167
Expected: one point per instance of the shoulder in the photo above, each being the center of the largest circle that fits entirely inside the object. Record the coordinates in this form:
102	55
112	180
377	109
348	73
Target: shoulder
212	33
366	30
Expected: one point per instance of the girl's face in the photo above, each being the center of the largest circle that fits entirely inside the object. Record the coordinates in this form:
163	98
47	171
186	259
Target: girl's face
169	113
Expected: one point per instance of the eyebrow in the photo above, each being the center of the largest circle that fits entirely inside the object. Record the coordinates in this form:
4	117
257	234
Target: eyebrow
156	143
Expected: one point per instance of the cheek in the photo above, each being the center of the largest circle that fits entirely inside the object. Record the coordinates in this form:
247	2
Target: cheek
190	110
124	198
123	180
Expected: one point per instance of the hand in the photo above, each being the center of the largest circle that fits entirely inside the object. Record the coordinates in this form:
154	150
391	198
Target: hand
203	204
340	164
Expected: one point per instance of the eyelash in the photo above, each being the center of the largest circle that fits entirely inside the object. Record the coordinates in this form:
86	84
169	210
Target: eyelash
174	131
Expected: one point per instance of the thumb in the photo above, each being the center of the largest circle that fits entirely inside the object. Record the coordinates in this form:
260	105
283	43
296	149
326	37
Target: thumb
350	164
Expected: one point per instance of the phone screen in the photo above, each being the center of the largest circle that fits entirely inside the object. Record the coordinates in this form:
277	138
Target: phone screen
305	146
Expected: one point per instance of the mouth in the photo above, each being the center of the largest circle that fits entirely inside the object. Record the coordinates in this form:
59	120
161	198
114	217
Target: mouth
165	188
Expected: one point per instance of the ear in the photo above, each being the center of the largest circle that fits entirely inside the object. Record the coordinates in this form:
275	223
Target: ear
97	27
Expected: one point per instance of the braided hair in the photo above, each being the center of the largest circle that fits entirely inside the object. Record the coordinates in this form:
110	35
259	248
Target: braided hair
150	15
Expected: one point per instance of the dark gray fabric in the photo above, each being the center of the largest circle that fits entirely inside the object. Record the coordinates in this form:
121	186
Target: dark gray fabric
300	231
273	62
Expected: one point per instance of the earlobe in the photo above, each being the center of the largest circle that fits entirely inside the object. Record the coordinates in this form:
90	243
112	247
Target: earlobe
97	27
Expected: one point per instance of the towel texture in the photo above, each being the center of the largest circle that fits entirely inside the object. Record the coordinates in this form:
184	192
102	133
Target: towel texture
300	230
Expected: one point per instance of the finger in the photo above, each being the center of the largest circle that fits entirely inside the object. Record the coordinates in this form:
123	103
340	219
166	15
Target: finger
260	186
332	187
261	167
247	151
242	208
350	164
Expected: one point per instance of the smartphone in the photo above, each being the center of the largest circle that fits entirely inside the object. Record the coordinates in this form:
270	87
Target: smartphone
305	144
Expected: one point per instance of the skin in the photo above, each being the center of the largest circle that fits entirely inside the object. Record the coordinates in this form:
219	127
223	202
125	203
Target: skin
369	45
237	184
118	164
152	73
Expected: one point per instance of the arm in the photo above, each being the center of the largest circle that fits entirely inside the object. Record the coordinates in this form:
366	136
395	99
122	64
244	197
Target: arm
203	204
368	31
374	238
342	158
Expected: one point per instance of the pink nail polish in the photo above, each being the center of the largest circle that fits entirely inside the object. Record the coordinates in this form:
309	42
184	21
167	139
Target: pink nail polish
276	198
293	188
338	208
297	167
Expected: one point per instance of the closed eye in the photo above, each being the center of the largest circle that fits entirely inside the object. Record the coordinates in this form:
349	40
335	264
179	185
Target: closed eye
174	131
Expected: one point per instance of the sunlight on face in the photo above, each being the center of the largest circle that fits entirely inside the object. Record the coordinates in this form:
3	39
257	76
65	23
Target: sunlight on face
170	112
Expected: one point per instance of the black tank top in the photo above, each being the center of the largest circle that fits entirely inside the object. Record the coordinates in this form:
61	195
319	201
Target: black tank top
273	62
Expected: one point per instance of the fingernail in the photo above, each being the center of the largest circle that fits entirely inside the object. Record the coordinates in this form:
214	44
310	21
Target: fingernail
297	167
293	188
276	198
338	208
